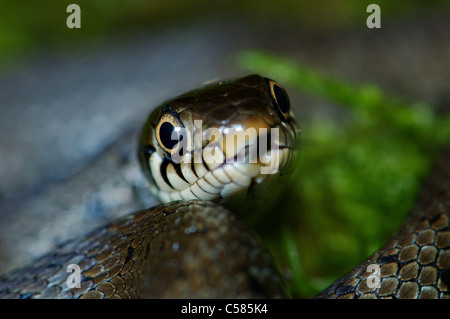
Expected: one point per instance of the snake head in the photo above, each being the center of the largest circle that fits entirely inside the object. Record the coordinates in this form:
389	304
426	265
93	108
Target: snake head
220	142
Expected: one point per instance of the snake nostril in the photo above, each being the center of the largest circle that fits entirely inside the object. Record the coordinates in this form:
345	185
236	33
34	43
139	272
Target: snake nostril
148	149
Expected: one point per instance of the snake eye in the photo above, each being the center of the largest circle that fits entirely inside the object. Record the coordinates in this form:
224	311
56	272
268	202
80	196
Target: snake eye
279	98
169	131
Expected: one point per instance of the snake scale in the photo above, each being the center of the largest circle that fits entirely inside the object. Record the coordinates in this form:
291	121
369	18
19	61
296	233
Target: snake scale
193	246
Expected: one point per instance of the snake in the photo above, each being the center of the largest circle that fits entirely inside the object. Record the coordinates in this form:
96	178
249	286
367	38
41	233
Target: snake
213	155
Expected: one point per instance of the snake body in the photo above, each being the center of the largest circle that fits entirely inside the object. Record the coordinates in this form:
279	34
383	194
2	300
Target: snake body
191	246
184	249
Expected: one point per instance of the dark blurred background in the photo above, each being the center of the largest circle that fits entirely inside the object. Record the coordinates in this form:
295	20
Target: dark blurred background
72	100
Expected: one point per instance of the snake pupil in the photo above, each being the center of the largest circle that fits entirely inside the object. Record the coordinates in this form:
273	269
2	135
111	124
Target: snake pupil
166	135
278	98
282	99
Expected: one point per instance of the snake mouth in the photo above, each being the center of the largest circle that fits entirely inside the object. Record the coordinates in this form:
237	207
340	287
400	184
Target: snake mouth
232	163
219	181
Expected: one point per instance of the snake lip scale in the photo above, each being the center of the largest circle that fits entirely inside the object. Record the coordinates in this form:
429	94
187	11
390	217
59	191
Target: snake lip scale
193	246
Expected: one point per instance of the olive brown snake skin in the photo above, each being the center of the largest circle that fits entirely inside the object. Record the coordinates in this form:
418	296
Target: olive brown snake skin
193	247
